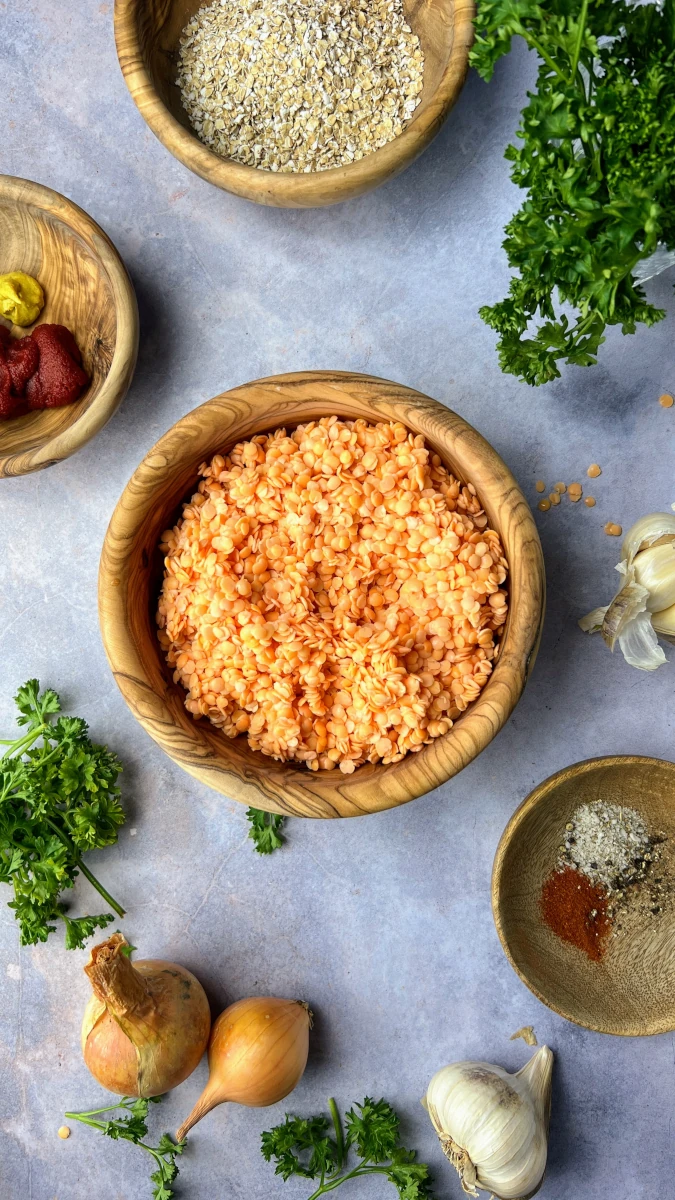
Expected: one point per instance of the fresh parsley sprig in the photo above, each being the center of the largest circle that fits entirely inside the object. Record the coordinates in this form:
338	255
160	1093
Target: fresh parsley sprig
598	163
58	799
265	830
133	1128
303	1146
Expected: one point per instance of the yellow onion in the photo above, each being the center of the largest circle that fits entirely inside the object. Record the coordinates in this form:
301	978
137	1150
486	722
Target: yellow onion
147	1024
257	1055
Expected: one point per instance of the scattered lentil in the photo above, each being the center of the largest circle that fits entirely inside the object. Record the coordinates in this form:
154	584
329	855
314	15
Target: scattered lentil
561	488
613	530
544	505
593	471
554	498
540	485
575	491
589	502
64	1132
334	593
666	400
299	85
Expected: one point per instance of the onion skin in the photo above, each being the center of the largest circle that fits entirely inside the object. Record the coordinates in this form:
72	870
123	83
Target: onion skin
147	1024
257	1054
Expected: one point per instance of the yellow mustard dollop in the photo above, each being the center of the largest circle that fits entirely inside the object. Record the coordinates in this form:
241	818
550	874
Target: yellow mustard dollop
21	298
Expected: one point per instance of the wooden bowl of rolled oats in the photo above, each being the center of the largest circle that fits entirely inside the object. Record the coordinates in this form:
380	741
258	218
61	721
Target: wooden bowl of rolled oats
322	594
294	103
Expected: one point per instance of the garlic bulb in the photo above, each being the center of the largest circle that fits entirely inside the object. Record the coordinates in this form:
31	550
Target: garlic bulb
644	605
492	1126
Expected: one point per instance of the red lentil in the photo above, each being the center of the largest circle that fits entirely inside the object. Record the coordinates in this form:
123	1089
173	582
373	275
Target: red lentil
333	593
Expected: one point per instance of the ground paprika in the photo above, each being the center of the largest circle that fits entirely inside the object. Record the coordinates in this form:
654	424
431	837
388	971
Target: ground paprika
577	911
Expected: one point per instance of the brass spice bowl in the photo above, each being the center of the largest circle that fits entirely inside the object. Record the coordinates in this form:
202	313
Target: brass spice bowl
131	569
148	32
631	991
86	289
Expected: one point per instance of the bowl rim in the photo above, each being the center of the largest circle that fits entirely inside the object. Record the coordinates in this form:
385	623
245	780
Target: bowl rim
27	193
537	796
296	189
306	793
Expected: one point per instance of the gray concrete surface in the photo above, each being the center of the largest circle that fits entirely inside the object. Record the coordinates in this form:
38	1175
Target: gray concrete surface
382	923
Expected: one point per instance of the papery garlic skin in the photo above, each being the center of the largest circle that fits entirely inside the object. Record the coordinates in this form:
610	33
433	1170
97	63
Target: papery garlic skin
648	570
493	1126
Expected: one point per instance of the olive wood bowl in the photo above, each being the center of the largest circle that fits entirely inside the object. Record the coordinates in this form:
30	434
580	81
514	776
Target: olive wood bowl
131	569
631	990
148	32
86	289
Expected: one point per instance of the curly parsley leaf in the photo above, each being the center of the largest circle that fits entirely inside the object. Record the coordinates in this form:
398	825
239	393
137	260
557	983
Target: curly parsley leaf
58	799
133	1128
372	1127
297	1136
303	1147
597	161
79	929
265	830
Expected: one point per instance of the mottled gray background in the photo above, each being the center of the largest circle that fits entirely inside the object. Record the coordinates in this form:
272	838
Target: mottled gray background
383	923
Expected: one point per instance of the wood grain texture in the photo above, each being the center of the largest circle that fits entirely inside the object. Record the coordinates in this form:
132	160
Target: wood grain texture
631	991
86	289
131	570
148	32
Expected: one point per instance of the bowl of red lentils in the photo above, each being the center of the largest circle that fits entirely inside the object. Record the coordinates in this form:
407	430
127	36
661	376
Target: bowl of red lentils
322	593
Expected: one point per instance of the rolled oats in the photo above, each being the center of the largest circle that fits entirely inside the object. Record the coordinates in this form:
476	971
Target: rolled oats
287	85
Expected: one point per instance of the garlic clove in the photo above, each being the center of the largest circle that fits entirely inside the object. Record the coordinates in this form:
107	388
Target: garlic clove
655	570
646	532
664	622
537	1074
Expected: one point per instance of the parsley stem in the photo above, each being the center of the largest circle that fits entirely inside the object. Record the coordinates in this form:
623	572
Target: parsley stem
85	870
100	888
356	1173
536	45
92	1112
339	1136
23	743
580	38
85	1118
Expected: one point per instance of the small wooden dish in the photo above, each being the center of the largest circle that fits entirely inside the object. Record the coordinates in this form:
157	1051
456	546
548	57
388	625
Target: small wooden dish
148	33
131	569
88	290
631	991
